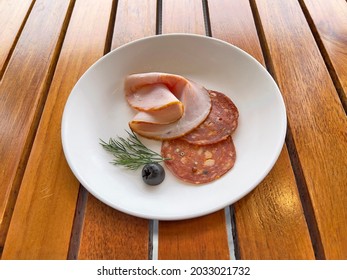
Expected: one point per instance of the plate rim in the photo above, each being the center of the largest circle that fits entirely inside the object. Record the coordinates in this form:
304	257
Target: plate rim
210	210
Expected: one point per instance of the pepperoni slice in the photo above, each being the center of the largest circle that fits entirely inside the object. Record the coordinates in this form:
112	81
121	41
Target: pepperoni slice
199	164
219	124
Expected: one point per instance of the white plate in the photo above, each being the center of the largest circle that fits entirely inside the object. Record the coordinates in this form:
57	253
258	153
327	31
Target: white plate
96	109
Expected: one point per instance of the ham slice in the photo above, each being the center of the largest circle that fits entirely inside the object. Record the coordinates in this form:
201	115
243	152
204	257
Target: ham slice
170	106
156	103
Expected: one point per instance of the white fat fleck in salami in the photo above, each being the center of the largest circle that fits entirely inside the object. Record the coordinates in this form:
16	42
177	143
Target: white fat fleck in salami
199	164
219	124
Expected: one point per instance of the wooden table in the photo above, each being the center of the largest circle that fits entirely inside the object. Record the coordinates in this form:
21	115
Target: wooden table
299	211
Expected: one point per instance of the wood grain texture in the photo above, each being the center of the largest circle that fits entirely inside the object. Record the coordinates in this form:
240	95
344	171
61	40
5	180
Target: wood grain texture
134	21
183	16
316	117
329	20
108	233
232	21
270	222
199	238
12	17
42	220
204	237
22	96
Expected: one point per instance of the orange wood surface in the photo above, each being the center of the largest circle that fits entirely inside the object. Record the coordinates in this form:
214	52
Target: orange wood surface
183	16
191	239
134	21
297	212
316	118
199	238
261	234
270	223
12	18
42	220
22	96
329	21
108	233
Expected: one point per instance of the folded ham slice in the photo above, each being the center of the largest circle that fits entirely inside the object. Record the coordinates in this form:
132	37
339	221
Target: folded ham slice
156	103
170	106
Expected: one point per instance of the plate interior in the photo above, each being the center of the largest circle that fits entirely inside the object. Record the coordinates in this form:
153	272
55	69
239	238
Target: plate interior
96	109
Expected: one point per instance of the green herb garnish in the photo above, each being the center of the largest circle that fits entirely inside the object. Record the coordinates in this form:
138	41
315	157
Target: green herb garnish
130	152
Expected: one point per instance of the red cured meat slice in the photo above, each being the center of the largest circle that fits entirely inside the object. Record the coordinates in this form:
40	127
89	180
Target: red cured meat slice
199	164
219	124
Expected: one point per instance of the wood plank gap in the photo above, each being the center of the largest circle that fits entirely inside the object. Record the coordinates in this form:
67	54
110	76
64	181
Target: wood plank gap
2	71
45	91
51	70
325	55
110	29
228	211
237	254
305	197
150	239
153	240
207	18
229	227
293	154
77	224
83	193
36	120
159	15
154	224
55	59
262	39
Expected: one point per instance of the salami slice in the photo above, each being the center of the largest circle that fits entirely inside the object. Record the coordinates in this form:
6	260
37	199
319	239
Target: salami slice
219	124
199	164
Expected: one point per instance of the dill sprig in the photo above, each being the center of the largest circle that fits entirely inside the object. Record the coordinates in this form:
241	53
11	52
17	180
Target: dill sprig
130	152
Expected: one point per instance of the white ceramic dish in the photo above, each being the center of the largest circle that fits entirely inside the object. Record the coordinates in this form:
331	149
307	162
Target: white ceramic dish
96	109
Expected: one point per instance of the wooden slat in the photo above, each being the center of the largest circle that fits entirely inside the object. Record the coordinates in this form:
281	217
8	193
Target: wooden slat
110	234
12	17
204	237
269	222
22	96
134	21
183	16
316	118
199	238
261	234
124	236
330	22
232	21
43	217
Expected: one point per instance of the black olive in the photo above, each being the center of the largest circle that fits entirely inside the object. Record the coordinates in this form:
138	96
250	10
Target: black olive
153	174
